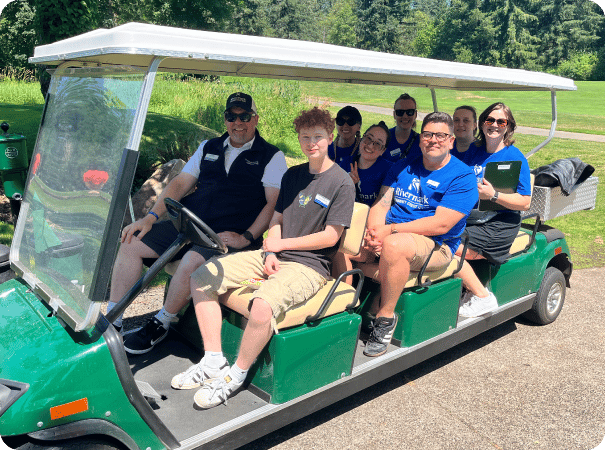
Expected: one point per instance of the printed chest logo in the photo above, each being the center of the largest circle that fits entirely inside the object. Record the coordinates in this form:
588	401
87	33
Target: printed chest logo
411	197
303	200
478	169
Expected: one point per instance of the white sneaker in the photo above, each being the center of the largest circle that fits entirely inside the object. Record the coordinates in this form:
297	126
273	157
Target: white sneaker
478	306
217	391
197	375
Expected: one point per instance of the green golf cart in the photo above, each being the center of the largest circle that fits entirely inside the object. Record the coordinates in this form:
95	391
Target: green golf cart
65	379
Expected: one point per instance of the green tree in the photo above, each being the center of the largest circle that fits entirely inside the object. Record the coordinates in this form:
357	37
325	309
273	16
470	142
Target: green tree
516	38
17	35
294	19
193	14
379	24
340	24
467	34
569	28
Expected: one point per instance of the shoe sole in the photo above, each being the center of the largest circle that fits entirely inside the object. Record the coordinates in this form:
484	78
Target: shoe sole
147	350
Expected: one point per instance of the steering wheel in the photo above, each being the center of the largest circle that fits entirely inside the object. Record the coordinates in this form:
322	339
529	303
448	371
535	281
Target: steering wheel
193	227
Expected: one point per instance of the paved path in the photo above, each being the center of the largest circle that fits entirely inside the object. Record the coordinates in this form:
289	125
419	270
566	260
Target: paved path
521	130
516	387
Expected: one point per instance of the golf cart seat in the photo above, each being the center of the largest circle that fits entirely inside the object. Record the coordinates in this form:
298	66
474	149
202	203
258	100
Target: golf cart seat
344	296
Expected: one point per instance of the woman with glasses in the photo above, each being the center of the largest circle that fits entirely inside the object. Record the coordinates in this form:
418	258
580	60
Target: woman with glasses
404	142
491	233
346	144
465	129
368	172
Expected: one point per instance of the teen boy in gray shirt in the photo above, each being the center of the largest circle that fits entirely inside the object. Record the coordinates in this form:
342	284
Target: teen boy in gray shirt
314	206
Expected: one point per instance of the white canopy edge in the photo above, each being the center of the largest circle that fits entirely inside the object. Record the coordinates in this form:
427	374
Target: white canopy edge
192	51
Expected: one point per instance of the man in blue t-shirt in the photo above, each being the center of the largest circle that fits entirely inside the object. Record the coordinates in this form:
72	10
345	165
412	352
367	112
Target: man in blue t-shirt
421	206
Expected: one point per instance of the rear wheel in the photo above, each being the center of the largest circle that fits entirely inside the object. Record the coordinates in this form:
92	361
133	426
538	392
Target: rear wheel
549	299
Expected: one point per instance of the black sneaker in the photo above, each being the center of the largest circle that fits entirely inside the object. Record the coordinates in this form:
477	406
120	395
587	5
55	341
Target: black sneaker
146	338
381	336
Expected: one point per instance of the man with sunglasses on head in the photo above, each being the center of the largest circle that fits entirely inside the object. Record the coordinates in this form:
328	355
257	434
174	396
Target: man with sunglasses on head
404	142
235	181
420	213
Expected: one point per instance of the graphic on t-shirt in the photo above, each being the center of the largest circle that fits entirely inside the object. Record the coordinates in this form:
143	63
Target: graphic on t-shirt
412	196
478	169
303	200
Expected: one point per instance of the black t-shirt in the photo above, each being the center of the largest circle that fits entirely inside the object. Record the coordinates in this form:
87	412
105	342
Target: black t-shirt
308	203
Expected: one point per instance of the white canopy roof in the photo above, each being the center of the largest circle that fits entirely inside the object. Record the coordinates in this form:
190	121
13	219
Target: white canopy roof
192	51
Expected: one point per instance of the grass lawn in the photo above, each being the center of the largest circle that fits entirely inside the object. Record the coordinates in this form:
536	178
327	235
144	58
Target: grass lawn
578	112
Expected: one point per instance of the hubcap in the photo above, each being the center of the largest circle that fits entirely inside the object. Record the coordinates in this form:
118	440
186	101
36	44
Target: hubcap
554	298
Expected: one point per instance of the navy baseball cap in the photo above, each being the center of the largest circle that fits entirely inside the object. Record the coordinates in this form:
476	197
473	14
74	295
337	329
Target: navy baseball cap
241	100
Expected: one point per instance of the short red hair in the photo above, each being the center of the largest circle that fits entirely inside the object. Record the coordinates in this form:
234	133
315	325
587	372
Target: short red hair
313	118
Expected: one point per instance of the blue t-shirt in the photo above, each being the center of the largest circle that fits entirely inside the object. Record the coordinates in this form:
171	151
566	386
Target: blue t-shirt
466	156
370	179
419	191
343	152
395	150
511	153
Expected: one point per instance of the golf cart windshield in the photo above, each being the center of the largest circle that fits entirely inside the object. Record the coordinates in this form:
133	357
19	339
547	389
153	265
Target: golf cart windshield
73	179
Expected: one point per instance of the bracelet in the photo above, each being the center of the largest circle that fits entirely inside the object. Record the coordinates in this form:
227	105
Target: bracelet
154	215
265	254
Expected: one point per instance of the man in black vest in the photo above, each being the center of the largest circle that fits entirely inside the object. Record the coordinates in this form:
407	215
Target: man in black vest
236	179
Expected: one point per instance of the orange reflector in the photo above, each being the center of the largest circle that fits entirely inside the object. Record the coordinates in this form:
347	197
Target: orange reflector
558	250
57	412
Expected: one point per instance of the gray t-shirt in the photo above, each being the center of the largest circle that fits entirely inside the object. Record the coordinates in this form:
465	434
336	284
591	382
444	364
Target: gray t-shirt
308	203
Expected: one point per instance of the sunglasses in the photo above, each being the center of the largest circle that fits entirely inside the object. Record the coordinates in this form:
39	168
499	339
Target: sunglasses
244	117
500	122
428	135
401	112
349	121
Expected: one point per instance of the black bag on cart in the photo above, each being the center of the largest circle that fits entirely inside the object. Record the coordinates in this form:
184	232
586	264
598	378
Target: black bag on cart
567	173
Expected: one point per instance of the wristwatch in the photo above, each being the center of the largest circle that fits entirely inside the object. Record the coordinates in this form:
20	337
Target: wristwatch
495	197
248	236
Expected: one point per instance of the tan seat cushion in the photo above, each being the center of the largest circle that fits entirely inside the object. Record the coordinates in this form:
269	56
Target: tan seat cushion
239	300
520	242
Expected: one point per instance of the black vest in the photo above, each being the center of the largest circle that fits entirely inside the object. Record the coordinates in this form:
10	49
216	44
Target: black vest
230	202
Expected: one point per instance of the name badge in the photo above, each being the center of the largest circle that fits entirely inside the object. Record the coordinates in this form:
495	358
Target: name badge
321	200
210	157
397	151
252	163
503	166
433	183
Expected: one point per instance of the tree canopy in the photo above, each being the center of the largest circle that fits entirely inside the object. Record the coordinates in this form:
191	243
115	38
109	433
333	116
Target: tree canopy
566	37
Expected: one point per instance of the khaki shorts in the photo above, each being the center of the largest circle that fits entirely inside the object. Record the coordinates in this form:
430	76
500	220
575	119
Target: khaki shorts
293	284
424	245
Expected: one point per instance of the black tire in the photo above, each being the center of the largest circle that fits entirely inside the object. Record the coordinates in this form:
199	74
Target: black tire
549	299
84	443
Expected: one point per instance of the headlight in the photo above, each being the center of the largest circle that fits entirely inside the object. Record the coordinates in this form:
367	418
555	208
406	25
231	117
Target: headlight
10	391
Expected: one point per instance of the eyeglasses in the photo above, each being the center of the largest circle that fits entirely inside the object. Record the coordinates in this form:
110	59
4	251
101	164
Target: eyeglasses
372	143
244	117
501	122
428	135
401	112
340	121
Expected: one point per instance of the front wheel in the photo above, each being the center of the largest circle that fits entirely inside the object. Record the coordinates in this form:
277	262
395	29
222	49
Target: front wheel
549	299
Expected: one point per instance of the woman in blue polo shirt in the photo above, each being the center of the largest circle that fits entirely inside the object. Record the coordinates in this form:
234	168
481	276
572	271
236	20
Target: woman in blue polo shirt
465	130
491	233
